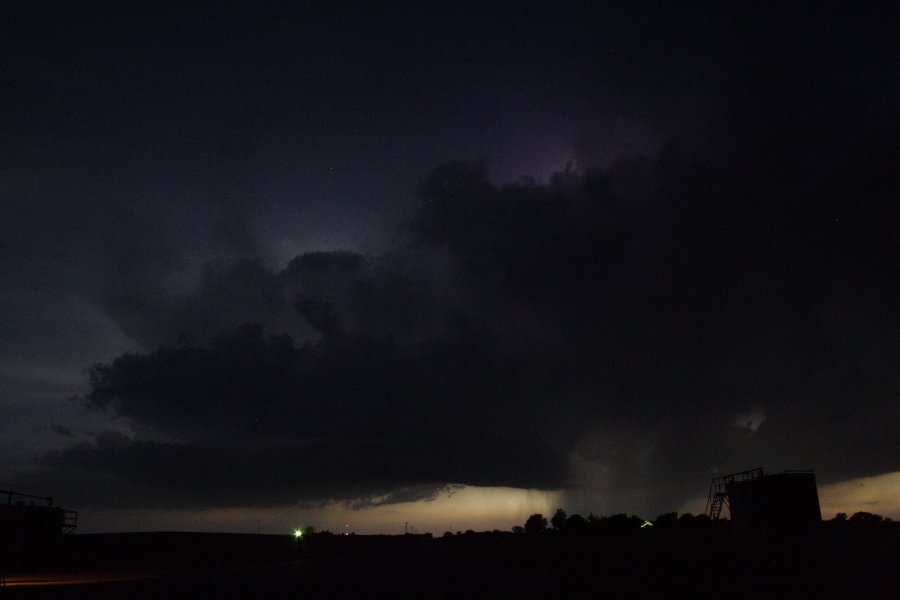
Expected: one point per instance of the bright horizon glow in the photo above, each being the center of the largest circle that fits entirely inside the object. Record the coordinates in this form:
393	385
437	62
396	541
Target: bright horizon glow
879	494
476	508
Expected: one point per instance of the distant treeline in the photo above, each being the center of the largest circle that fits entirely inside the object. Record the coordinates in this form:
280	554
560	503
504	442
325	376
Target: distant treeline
560	522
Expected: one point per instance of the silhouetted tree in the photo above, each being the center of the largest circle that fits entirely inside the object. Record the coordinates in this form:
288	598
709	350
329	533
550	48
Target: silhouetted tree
689	520
536	523
864	517
517	529
621	523
666	520
576	524
558	520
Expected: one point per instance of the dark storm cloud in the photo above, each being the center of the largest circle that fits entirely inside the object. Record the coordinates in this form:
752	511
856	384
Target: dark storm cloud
61	430
344	418
396	294
603	331
635	324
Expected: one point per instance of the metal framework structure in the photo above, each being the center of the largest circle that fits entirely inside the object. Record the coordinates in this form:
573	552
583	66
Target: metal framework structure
68	518
718	490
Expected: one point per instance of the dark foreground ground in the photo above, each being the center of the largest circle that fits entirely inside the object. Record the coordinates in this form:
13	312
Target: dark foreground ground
828	563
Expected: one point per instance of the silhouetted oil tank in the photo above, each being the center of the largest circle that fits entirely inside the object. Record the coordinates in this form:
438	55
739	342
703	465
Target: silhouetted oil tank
780	503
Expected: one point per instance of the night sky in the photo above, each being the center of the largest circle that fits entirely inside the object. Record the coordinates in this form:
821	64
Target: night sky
356	266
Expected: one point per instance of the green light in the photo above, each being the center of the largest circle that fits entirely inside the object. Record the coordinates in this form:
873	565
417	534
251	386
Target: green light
646	524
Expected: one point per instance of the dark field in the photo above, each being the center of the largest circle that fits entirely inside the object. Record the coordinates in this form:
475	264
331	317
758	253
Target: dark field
831	562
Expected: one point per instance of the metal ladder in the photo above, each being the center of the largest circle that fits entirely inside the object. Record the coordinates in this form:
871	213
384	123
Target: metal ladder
718	490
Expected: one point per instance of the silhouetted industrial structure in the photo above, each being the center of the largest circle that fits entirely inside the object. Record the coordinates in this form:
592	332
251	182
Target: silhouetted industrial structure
31	528
786	501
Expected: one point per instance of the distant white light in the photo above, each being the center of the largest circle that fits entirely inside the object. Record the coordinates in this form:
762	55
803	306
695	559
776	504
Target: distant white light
298	533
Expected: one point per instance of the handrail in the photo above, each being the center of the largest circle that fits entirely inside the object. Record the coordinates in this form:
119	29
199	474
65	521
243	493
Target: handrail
9	497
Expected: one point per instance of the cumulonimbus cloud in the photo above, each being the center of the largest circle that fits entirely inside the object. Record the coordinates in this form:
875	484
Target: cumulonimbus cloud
600	330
